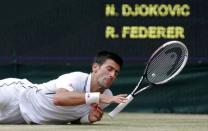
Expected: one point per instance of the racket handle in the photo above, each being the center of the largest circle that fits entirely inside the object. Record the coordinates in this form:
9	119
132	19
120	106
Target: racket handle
121	106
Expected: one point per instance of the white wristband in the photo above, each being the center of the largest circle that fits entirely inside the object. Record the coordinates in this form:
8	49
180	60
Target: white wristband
91	98
85	119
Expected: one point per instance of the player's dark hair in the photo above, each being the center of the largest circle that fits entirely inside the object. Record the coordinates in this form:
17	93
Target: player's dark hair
102	56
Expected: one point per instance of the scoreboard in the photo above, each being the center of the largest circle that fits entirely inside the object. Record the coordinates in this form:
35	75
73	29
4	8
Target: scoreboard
147	10
73	31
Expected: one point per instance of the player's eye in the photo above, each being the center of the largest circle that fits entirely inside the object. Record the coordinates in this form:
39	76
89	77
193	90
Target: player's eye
109	68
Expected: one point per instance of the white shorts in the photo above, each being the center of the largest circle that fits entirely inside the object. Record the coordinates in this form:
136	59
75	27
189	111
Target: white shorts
10	90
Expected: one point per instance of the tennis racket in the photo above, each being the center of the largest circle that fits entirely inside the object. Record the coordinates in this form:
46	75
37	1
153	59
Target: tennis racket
164	64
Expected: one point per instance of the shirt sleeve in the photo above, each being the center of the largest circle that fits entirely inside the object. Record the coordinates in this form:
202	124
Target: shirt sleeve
65	81
74	81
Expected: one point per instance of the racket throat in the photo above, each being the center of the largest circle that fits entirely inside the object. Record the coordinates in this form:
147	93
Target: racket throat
137	86
137	92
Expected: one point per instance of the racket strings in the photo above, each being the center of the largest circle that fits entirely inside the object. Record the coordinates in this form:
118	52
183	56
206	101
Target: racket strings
163	64
158	75
161	68
158	61
164	68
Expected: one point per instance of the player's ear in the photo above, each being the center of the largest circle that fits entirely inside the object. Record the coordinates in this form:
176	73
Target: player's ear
95	67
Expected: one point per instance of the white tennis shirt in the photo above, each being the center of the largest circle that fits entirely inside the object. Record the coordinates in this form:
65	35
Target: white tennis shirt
36	102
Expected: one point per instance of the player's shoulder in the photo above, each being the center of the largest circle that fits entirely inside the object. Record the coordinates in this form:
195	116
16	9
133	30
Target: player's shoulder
76	79
79	73
75	74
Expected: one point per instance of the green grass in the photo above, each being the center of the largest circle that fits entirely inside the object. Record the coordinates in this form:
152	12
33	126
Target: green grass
128	122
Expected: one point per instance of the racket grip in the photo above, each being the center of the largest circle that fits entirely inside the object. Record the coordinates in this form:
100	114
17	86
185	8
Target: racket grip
121	106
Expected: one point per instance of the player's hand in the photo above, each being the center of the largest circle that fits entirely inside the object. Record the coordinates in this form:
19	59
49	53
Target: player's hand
95	113
113	99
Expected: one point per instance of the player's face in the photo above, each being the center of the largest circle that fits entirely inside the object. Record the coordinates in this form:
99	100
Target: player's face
106	73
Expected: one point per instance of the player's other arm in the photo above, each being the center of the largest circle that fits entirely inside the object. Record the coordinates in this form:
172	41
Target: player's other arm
94	115
63	97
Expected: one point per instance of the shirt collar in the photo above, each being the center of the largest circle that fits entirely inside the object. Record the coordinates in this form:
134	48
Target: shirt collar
88	85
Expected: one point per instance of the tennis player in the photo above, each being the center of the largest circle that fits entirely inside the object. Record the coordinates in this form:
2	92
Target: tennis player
74	98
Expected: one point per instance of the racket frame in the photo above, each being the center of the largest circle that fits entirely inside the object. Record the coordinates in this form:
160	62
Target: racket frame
181	67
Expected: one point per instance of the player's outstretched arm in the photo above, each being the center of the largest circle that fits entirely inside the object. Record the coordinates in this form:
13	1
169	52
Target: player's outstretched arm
113	99
64	97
